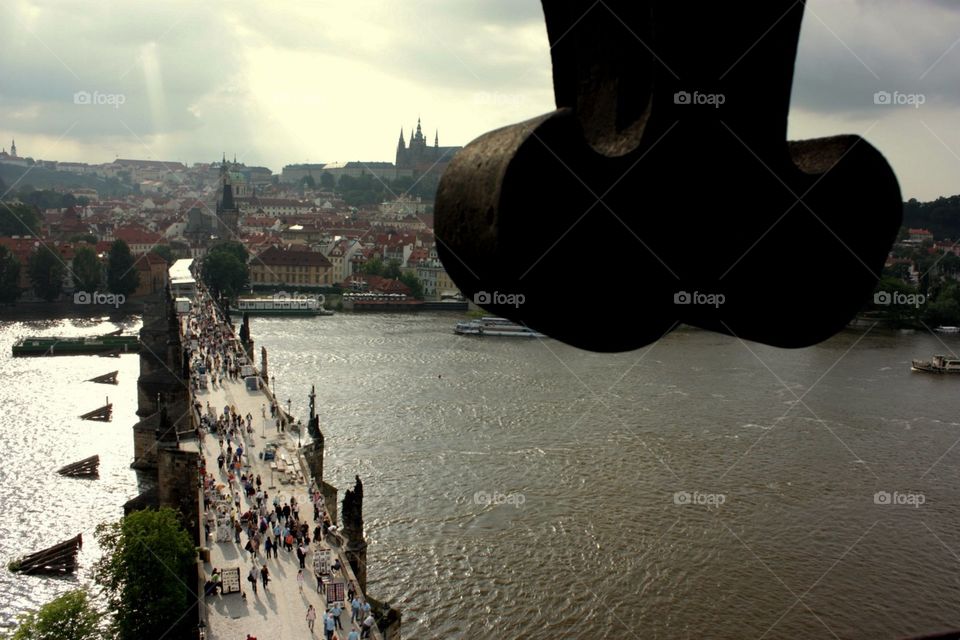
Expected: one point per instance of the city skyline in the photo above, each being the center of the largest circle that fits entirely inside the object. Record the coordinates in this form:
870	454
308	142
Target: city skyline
333	83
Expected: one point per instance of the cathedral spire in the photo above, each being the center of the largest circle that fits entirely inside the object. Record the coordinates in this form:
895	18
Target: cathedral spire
436	138
402	142
13	147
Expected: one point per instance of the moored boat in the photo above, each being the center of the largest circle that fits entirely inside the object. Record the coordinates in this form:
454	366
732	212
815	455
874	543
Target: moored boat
75	345
494	326
280	306
938	364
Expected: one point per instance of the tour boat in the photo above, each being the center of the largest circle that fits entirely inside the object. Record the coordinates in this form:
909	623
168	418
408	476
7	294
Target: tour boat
947	329
280	306
939	364
493	326
76	345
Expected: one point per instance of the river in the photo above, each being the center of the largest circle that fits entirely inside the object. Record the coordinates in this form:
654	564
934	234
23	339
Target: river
699	488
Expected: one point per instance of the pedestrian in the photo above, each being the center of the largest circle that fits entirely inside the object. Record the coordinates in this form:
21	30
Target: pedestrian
265	575
252	578
329	625
353	635
300	580
367	626
311	617
301	556
267	546
355	608
335	612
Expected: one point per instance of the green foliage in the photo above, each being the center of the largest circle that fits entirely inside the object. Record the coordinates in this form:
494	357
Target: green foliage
232	247
308	181
373	267
46	273
122	277
68	617
224	273
165	252
392	270
18	220
86	270
941	217
147	557
412	281
9	276
327	181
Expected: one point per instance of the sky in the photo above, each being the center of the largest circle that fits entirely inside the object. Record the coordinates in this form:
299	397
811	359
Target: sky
280	82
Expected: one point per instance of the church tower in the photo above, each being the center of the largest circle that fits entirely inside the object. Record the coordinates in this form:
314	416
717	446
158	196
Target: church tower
228	216
13	147
401	149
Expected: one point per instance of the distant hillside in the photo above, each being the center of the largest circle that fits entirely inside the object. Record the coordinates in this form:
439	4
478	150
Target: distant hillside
941	217
41	178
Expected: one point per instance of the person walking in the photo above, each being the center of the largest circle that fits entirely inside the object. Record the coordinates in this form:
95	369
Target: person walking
265	574
300	580
311	617
353	635
355	609
329	625
253	578
335	612
367	626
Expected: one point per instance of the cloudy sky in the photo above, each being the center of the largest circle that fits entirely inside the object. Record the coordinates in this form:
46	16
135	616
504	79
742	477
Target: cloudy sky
323	81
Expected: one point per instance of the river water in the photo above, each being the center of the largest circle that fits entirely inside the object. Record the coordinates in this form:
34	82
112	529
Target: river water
700	488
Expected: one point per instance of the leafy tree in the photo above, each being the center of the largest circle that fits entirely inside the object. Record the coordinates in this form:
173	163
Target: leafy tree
392	270
892	299
148	557
9	276
233	247
86	269
412	281
373	266
308	181
224	273
165	252
122	277
18	220
68	617
327	181
46	273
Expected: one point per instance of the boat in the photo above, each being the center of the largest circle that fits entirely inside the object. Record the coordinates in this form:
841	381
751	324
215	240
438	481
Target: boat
494	326
947	329
938	364
280	306
75	345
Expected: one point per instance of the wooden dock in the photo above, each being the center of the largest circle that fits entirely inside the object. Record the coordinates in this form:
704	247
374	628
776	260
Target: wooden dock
86	468
60	559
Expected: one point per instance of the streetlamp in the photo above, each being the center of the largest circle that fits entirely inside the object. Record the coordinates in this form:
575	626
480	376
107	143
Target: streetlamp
263	423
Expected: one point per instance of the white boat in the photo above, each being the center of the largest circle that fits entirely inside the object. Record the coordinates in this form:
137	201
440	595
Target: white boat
947	329
493	326
280	306
939	364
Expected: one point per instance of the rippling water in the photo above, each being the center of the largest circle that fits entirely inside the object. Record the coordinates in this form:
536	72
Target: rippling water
583	455
39	433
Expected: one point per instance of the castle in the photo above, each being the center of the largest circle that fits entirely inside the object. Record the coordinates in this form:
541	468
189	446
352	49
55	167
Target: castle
421	158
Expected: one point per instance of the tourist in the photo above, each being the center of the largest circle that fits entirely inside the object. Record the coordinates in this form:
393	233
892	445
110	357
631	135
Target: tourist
335	612
252	578
367	626
267	547
311	616
353	635
301	556
265	574
300	580
354	608
329	625
336	566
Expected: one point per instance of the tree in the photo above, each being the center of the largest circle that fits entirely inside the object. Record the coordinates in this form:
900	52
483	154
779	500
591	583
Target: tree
224	273
68	617
308	181
148	557
392	270
86	270
18	219
9	276
327	181
122	277
46	273
373	266
412	281
233	247
165	252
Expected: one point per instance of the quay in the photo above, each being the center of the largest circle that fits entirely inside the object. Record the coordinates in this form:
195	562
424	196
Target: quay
272	453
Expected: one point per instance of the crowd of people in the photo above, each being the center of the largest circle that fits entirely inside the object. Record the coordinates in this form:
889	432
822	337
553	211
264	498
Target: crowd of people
261	524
